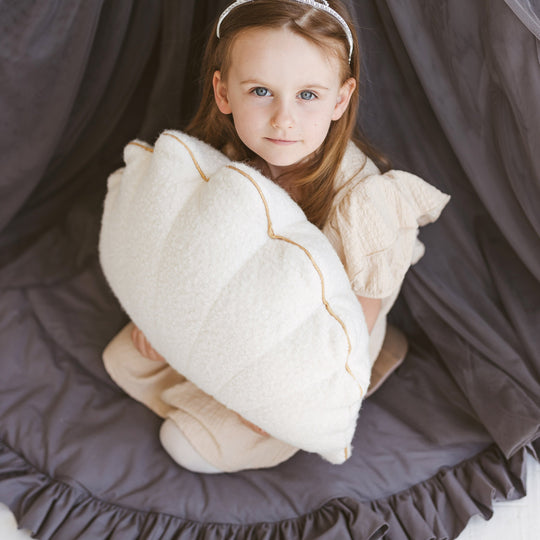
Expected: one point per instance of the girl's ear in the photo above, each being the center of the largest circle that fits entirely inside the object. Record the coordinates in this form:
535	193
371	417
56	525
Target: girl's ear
344	96
220	93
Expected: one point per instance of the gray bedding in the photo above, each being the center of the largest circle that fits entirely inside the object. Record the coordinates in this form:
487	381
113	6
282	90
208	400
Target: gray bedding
451	93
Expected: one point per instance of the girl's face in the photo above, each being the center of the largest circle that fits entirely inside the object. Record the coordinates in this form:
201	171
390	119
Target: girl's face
283	93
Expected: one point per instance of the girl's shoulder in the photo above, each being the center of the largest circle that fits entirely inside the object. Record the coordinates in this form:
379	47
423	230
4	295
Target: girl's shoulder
354	167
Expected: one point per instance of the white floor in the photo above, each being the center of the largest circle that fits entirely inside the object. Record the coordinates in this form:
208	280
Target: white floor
516	520
8	526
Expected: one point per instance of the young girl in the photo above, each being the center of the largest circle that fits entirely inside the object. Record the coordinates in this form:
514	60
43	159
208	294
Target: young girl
280	91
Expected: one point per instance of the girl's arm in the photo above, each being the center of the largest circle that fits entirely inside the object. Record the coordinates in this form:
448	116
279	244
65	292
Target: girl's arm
371	307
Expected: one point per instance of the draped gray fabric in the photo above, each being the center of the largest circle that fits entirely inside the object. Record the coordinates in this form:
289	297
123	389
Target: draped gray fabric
450	93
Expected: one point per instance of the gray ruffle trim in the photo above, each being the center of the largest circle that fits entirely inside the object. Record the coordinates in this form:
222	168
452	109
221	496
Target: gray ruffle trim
438	508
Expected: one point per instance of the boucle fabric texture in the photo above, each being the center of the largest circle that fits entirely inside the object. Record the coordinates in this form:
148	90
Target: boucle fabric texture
230	282
216	433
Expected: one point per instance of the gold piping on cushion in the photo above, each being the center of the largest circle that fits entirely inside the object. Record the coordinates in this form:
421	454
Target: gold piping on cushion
203	176
275	236
143	146
195	162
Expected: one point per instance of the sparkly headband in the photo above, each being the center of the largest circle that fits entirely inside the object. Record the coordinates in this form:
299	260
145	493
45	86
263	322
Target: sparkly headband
322	5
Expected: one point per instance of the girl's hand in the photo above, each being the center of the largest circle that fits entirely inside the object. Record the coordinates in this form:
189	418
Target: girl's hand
253	427
144	347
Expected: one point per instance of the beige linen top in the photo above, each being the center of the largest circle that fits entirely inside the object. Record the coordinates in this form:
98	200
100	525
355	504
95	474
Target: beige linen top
373	226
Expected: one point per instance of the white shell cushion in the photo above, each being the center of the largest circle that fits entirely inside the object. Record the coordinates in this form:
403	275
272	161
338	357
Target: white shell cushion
231	283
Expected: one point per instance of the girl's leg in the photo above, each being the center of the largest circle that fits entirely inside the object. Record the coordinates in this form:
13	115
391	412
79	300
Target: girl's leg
180	449
141	378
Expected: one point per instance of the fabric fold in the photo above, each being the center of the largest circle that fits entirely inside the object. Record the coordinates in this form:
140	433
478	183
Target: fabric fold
437	508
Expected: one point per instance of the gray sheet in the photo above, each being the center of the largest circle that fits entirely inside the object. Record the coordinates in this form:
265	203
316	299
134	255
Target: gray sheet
450	93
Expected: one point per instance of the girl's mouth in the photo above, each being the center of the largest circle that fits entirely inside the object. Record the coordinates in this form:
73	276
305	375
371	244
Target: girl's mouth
280	141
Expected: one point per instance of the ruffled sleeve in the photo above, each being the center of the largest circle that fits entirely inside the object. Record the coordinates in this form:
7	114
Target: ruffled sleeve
374	227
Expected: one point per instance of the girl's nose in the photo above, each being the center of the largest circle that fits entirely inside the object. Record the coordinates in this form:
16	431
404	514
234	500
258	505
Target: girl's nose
282	117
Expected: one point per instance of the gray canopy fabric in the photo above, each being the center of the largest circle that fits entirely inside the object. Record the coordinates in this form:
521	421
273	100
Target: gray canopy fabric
450	93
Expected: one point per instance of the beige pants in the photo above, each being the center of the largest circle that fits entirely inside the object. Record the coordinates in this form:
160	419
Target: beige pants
215	432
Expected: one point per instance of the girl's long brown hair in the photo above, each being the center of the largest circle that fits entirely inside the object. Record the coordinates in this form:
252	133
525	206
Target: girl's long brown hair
313	178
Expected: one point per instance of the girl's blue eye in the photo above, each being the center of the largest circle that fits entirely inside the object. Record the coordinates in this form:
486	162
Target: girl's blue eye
307	95
261	91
